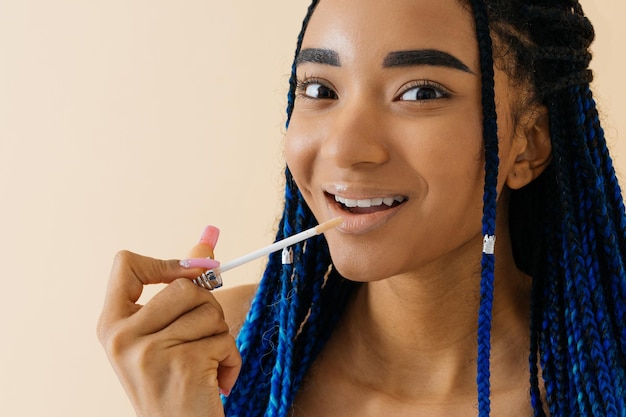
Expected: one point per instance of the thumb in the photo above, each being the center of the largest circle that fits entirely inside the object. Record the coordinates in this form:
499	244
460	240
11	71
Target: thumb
201	254
204	248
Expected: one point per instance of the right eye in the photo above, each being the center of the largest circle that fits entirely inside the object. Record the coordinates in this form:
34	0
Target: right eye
316	90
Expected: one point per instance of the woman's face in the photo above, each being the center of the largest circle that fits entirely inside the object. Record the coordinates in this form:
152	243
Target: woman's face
387	132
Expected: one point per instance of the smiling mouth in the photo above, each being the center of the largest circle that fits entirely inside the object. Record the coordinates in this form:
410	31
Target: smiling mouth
368	205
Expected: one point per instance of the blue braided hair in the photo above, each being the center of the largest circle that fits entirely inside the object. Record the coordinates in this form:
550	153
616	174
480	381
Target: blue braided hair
568	230
294	311
568	227
490	135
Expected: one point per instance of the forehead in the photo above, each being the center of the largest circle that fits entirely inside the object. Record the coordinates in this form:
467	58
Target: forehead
373	28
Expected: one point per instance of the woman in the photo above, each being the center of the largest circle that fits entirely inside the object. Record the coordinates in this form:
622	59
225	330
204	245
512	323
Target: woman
431	127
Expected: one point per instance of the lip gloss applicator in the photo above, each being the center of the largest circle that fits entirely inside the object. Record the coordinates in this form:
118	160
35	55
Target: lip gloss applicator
212	278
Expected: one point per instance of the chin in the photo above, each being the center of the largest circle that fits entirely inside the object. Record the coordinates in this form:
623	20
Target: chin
355	268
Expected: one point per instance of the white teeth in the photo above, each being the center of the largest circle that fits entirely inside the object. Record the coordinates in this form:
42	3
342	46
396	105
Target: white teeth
369	202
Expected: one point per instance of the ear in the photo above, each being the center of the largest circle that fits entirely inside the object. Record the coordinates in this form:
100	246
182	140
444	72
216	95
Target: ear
535	149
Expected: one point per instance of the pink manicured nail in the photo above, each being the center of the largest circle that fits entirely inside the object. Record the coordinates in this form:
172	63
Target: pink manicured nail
209	236
224	392
205	263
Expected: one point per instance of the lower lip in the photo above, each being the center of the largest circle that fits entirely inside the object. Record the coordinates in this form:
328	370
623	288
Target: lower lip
358	224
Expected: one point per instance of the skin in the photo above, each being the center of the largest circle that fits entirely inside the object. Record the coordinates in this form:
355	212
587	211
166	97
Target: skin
407	343
174	354
408	340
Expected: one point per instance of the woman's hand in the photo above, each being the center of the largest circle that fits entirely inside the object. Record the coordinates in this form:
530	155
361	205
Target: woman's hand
175	354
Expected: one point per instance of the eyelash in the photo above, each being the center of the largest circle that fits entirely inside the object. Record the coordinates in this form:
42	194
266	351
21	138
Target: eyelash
303	84
439	89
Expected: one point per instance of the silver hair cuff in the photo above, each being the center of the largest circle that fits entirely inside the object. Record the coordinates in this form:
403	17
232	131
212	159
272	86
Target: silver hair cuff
489	244
287	256
209	280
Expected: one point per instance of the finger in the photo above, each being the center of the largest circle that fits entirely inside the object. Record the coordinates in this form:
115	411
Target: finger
183	311
222	351
204	248
206	320
130	272
230	365
204	263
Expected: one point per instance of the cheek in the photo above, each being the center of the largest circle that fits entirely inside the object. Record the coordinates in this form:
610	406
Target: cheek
450	152
454	169
301	150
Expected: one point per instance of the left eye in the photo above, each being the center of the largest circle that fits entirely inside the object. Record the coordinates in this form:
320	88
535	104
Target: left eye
319	91
421	93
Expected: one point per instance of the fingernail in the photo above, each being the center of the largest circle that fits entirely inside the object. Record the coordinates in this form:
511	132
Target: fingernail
209	236
205	263
224	392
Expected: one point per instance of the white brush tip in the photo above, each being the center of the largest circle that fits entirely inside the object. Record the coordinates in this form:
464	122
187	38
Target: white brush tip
330	224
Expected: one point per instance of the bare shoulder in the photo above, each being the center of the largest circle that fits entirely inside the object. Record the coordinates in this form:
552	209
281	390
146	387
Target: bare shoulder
235	302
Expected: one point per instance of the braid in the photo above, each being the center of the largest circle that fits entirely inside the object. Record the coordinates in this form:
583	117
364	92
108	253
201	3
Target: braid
538	294
568	226
258	337
294	311
490	133
288	304
293	79
594	368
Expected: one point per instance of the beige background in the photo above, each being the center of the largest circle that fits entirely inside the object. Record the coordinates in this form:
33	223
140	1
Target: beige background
132	124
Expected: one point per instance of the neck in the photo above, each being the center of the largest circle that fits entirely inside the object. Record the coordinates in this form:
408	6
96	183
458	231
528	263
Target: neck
422	328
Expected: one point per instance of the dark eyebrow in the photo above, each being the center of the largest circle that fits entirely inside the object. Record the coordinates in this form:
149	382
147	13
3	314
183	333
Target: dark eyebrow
318	56
424	57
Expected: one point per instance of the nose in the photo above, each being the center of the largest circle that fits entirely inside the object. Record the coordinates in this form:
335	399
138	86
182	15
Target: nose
357	136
